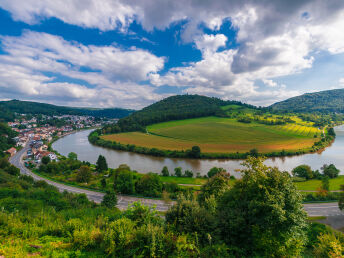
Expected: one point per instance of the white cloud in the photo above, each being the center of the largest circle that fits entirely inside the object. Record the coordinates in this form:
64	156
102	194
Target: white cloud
275	38
210	43
31	61
269	83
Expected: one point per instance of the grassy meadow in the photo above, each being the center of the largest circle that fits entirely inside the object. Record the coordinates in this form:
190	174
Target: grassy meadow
220	135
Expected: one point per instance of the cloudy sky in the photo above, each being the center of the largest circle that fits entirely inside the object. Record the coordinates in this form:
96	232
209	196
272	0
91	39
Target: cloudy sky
131	53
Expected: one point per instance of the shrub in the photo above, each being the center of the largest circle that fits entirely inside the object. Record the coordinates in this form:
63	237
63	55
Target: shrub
110	199
164	171
149	185
303	171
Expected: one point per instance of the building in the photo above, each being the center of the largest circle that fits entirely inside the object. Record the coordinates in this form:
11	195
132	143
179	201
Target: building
12	151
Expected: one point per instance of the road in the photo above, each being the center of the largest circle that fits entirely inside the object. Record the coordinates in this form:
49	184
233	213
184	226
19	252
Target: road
314	209
123	201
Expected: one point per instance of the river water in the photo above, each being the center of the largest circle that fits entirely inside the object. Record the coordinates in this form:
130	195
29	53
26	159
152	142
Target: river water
79	144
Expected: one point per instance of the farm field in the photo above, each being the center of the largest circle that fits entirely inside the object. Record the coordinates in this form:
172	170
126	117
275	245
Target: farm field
220	135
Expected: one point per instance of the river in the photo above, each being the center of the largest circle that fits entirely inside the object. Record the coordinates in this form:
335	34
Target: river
79	144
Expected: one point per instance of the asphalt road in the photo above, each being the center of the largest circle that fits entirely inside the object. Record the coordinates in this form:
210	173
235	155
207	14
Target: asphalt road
314	209
123	201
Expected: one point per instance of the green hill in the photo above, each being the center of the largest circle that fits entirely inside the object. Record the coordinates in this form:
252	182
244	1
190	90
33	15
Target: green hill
328	101
28	107
174	108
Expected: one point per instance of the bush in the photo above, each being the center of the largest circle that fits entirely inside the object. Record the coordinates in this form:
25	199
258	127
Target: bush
213	171
149	185
164	171
303	171
110	199
330	170
124	182
178	171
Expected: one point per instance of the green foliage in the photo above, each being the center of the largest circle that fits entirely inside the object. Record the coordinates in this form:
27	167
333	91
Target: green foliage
263	213
6	138
84	174
189	217
28	107
149	185
341	198
325	183
110	199
165	172
45	160
330	170
171	108
125	182
214	171
195	152
215	186
101	164
178	171
323	101
72	156
304	171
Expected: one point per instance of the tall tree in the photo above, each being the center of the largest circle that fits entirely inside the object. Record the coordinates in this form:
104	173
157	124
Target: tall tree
101	164
262	214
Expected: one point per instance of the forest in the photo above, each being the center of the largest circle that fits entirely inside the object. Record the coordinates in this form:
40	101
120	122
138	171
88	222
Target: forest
329	101
27	107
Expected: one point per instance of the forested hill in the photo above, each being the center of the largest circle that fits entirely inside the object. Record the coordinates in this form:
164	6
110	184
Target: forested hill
324	101
173	108
28	107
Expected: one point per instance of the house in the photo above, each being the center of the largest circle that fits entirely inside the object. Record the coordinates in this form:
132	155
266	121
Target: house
12	151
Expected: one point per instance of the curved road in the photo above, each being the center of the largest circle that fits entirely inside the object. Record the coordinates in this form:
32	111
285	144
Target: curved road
123	201
314	209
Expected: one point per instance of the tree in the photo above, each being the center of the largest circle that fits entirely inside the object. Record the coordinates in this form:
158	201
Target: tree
187	216
101	164
213	171
331	131
178	171
262	214
188	173
330	170
103	182
341	198
72	156
254	153
164	171
149	185
125	183
45	160
325	183
195	152
84	174
303	171
14	171
110	199
215	186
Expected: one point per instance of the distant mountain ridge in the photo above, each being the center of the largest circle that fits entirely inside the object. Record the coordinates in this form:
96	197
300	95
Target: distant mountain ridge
327	101
29	107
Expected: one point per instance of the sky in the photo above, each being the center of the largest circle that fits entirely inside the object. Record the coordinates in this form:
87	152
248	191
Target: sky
131	53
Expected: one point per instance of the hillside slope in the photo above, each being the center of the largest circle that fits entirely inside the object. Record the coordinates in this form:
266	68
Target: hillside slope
173	108
48	109
323	101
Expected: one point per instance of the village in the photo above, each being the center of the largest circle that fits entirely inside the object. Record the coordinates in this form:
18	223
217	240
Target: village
39	131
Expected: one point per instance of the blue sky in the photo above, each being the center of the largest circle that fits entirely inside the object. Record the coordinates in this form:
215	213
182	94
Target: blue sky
132	53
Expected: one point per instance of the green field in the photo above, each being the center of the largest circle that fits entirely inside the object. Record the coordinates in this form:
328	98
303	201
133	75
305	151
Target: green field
314	184
220	135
